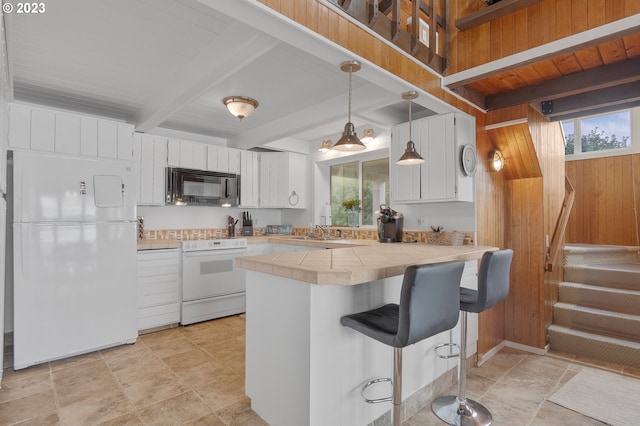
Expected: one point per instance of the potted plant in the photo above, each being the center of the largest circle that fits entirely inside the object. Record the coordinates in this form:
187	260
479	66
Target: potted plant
352	206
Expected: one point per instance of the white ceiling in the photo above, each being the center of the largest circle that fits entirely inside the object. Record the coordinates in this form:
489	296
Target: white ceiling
168	64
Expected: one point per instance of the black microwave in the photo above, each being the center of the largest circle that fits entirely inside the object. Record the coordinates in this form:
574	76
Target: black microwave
201	188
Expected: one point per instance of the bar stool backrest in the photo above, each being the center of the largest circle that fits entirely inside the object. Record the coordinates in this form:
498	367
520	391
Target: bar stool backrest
493	280
429	301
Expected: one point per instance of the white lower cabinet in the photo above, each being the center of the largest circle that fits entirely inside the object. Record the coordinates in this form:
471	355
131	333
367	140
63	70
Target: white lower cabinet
158	288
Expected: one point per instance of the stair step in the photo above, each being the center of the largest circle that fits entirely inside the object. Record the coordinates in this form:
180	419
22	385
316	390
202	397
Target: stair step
625	326
608	349
611	299
593	253
622	275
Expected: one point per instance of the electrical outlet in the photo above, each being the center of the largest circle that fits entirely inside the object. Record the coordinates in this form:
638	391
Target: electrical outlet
422	221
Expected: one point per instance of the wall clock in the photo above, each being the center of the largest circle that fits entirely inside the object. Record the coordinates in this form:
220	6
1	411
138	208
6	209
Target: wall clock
468	159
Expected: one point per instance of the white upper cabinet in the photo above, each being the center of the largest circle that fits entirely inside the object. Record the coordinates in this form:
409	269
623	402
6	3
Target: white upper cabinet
47	130
187	154
223	159
440	140
249	178
150	153
282	180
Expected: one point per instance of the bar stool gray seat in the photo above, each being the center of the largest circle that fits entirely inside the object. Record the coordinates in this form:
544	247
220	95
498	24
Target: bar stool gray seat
429	304
493	288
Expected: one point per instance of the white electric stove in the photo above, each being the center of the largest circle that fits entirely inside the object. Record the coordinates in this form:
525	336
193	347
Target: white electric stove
211	285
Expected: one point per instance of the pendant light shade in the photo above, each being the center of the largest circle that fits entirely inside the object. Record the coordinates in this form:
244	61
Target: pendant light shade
349	140
410	155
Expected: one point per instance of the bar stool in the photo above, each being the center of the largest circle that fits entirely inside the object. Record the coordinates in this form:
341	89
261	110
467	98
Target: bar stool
429	304
493	287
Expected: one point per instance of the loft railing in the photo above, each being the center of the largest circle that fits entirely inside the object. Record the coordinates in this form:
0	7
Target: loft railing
561	226
418	27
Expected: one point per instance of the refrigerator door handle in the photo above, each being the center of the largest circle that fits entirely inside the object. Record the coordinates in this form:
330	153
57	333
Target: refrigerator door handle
24	252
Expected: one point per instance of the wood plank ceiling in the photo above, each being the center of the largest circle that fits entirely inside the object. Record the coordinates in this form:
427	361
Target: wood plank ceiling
589	77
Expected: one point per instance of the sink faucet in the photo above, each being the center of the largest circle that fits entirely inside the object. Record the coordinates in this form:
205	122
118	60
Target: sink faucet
325	229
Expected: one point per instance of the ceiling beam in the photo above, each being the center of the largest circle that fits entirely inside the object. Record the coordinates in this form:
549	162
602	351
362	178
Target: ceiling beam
596	111
595	99
572	84
593	37
206	70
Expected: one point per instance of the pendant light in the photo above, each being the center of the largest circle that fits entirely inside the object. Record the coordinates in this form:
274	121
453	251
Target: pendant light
349	140
410	155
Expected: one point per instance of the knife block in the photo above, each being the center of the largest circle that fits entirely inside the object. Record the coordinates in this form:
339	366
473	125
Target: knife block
247	231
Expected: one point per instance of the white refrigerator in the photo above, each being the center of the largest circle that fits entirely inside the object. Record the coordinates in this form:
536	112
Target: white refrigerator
74	249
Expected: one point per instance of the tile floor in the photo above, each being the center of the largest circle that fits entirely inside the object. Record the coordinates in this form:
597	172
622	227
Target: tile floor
195	376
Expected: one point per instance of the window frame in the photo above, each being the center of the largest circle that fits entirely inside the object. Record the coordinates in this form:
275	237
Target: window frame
634	145
359	158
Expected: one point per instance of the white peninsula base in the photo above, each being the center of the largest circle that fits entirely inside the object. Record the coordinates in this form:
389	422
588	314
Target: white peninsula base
304	368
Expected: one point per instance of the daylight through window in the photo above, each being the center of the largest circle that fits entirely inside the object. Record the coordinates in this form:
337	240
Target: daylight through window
598	133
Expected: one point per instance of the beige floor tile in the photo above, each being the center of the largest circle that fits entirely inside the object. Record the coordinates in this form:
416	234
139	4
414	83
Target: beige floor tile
154	389
75	361
225	388
25	386
123	349
176	410
208	420
96	410
202	374
49	420
10	374
80	373
130	419
186	360
175	346
138	366
240	414
94	387
32	407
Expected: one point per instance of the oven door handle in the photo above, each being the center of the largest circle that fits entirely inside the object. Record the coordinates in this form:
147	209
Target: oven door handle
215	253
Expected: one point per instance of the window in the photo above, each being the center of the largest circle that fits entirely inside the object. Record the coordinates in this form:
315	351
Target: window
598	133
367	181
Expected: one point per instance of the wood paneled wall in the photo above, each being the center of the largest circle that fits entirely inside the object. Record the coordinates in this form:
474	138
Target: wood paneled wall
604	211
533	26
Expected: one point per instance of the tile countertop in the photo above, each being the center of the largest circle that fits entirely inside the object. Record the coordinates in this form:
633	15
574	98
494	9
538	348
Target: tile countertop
357	263
274	239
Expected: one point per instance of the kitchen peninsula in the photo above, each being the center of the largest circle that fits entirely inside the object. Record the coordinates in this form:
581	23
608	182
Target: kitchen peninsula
302	366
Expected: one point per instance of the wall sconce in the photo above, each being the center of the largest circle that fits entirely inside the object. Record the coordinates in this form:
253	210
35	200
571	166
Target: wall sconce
326	146
240	106
496	160
367	135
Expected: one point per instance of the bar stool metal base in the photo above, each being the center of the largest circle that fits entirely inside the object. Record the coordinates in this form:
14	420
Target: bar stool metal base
469	413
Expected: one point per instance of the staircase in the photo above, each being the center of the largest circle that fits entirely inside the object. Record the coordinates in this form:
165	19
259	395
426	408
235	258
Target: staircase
598	312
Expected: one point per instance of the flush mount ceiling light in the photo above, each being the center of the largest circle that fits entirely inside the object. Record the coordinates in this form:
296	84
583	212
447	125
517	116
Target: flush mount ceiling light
326	146
367	135
349	140
240	106
410	155
496	160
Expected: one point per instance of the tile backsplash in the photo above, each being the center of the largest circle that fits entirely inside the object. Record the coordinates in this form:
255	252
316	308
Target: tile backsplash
421	236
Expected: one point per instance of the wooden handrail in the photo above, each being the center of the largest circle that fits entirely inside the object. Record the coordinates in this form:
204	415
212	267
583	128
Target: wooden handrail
561	226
